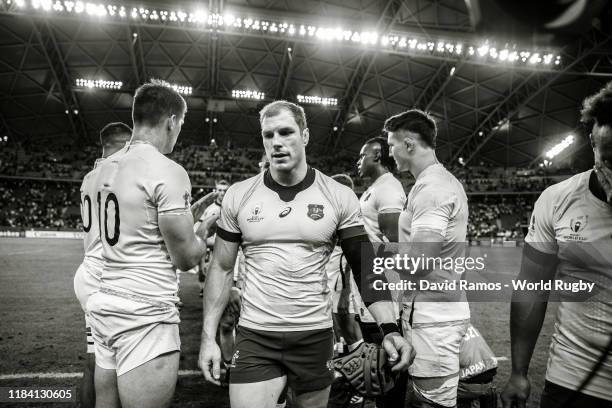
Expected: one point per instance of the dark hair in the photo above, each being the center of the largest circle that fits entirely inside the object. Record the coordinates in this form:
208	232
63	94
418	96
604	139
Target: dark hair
598	107
416	121
222	183
276	107
344	180
385	160
115	133
155	101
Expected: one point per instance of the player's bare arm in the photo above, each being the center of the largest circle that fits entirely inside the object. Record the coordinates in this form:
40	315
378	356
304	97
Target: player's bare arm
219	283
184	247
357	247
388	225
198	208
526	318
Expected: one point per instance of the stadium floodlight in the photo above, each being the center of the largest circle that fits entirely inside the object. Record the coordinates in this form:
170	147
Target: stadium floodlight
182	89
248	94
487	51
559	147
317	100
98	83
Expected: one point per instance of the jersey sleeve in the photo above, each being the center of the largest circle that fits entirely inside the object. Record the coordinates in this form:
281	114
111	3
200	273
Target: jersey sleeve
432	210
172	192
541	235
227	224
350	223
390	198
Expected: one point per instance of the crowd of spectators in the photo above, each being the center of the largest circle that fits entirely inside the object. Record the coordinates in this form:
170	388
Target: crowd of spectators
500	198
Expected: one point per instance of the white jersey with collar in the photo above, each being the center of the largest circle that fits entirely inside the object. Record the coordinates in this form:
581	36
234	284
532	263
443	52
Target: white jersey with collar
136	186
569	221
287	235
437	202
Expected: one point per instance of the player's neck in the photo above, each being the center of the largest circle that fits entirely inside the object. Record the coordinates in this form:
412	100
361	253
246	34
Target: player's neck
149	136
419	165
596	187
378	173
292	177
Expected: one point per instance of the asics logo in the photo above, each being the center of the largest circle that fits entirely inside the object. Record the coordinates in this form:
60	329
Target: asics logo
285	212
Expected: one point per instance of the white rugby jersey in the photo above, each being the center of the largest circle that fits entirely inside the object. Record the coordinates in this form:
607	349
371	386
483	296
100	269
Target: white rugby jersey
135	187
385	195
569	221
89	215
437	202
287	236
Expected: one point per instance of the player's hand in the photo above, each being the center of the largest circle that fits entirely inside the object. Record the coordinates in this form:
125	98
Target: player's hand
604	175
197	208
344	301
516	392
234	301
399	351
209	361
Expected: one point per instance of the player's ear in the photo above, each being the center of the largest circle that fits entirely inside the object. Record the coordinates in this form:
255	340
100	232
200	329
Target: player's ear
305	136
171	122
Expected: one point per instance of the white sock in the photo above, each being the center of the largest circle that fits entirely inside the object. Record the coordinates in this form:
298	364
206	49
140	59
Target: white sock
353	346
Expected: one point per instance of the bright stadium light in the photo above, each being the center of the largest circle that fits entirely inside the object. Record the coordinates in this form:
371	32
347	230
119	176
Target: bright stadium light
317	100
559	147
98	83
476	50
248	94
182	89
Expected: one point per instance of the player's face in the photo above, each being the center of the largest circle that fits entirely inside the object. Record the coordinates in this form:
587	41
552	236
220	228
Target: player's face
285	145
602	145
221	189
367	160
398	149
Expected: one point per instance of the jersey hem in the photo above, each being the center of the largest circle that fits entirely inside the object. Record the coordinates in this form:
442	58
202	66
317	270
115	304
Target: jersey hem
284	328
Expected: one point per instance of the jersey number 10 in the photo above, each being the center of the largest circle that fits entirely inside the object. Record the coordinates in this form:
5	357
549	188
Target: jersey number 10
111	197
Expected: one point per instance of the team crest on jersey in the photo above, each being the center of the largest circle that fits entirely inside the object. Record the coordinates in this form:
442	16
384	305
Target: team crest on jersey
256	213
315	211
578	224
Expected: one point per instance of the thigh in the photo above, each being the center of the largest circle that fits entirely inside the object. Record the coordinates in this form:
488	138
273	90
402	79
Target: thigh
307	356
107	394
555	396
312	399
262	394
151	384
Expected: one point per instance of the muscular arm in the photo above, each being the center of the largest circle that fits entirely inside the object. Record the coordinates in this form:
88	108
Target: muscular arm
388	225
528	309
184	247
218	285
358	251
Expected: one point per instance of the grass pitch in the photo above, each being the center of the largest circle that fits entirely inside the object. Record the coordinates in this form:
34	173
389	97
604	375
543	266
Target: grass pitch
42	326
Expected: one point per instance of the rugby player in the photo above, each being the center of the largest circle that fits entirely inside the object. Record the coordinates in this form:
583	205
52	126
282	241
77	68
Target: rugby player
433	223
146	230
286	220
113	137
208	222
569	239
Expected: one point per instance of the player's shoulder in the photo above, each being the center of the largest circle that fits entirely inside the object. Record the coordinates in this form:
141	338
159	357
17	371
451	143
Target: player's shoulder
241	191
327	183
565	190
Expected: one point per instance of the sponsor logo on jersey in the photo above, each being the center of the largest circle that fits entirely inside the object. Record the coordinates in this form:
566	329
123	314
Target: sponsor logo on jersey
315	211
285	212
532	224
578	224
256	213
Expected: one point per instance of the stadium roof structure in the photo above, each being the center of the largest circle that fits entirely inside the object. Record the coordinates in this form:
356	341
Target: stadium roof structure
69	67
